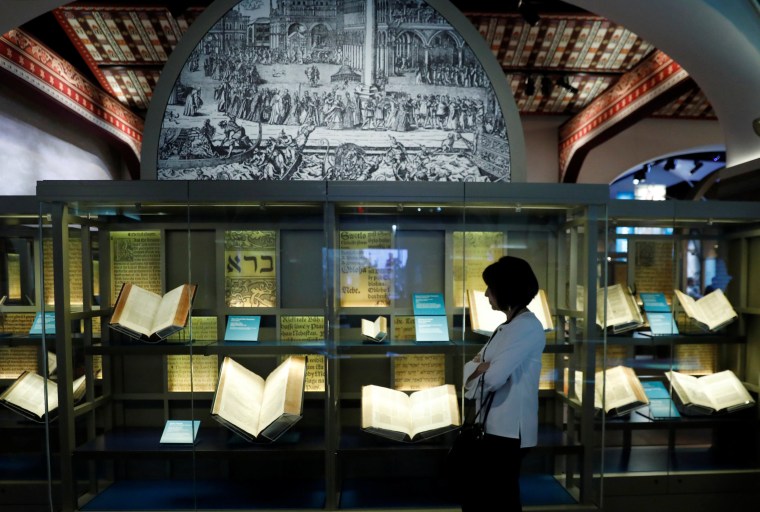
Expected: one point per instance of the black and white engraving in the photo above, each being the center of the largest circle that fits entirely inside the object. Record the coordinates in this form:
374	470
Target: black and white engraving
325	90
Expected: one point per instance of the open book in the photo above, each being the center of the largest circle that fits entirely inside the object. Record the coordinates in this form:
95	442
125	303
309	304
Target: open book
716	393
258	408
375	331
710	312
26	395
409	417
484	319
617	390
148	316
622	311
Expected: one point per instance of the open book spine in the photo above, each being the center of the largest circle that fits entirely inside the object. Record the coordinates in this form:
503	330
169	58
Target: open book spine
258	409
293	399
182	313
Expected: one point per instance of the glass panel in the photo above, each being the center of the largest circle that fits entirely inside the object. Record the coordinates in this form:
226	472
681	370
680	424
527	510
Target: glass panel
396	273
258	330
673	256
285	275
25	360
108	338
552	239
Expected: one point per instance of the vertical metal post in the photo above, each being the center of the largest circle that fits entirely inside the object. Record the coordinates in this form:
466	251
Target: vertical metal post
64	354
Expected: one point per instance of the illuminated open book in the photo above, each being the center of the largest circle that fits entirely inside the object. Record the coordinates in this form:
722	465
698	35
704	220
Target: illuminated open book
409	417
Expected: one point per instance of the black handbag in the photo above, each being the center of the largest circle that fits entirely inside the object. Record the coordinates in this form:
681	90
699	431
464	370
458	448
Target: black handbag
470	433
465	449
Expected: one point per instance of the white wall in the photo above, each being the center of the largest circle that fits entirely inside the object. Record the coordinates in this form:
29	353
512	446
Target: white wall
36	145
645	141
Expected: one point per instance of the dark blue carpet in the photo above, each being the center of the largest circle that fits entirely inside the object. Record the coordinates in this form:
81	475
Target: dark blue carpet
536	489
138	495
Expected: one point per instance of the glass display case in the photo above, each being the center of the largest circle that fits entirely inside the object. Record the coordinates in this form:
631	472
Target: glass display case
358	289
25	357
694	352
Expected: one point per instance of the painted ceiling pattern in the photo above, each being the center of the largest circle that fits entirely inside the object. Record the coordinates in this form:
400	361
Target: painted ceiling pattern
126	48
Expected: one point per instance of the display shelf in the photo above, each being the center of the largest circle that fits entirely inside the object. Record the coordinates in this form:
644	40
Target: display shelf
208	348
682	339
212	441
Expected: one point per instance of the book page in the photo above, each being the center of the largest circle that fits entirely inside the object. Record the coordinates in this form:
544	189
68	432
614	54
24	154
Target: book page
196	373
367	268
239	396
433	408
578	390
78	388
724	390
539	306
307	329
249	269
687	304
473	251
28	393
714	309
619	388
279	391
137	309
385	408
136	259
618	306
376	330
167	307
483	318
688	389
16	360
413	372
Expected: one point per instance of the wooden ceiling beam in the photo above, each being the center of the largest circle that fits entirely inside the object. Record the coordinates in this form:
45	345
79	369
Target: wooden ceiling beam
654	82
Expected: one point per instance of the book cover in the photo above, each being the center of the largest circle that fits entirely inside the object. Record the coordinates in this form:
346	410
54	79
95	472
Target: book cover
428	304
654	302
242	328
37	325
431	329
180	432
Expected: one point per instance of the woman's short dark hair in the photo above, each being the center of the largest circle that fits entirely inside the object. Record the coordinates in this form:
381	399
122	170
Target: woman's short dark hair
511	281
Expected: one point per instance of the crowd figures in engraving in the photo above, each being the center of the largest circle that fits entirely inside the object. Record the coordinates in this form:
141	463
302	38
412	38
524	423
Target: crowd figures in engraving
303	106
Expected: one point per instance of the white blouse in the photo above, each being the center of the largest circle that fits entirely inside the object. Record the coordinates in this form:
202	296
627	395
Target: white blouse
514	353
